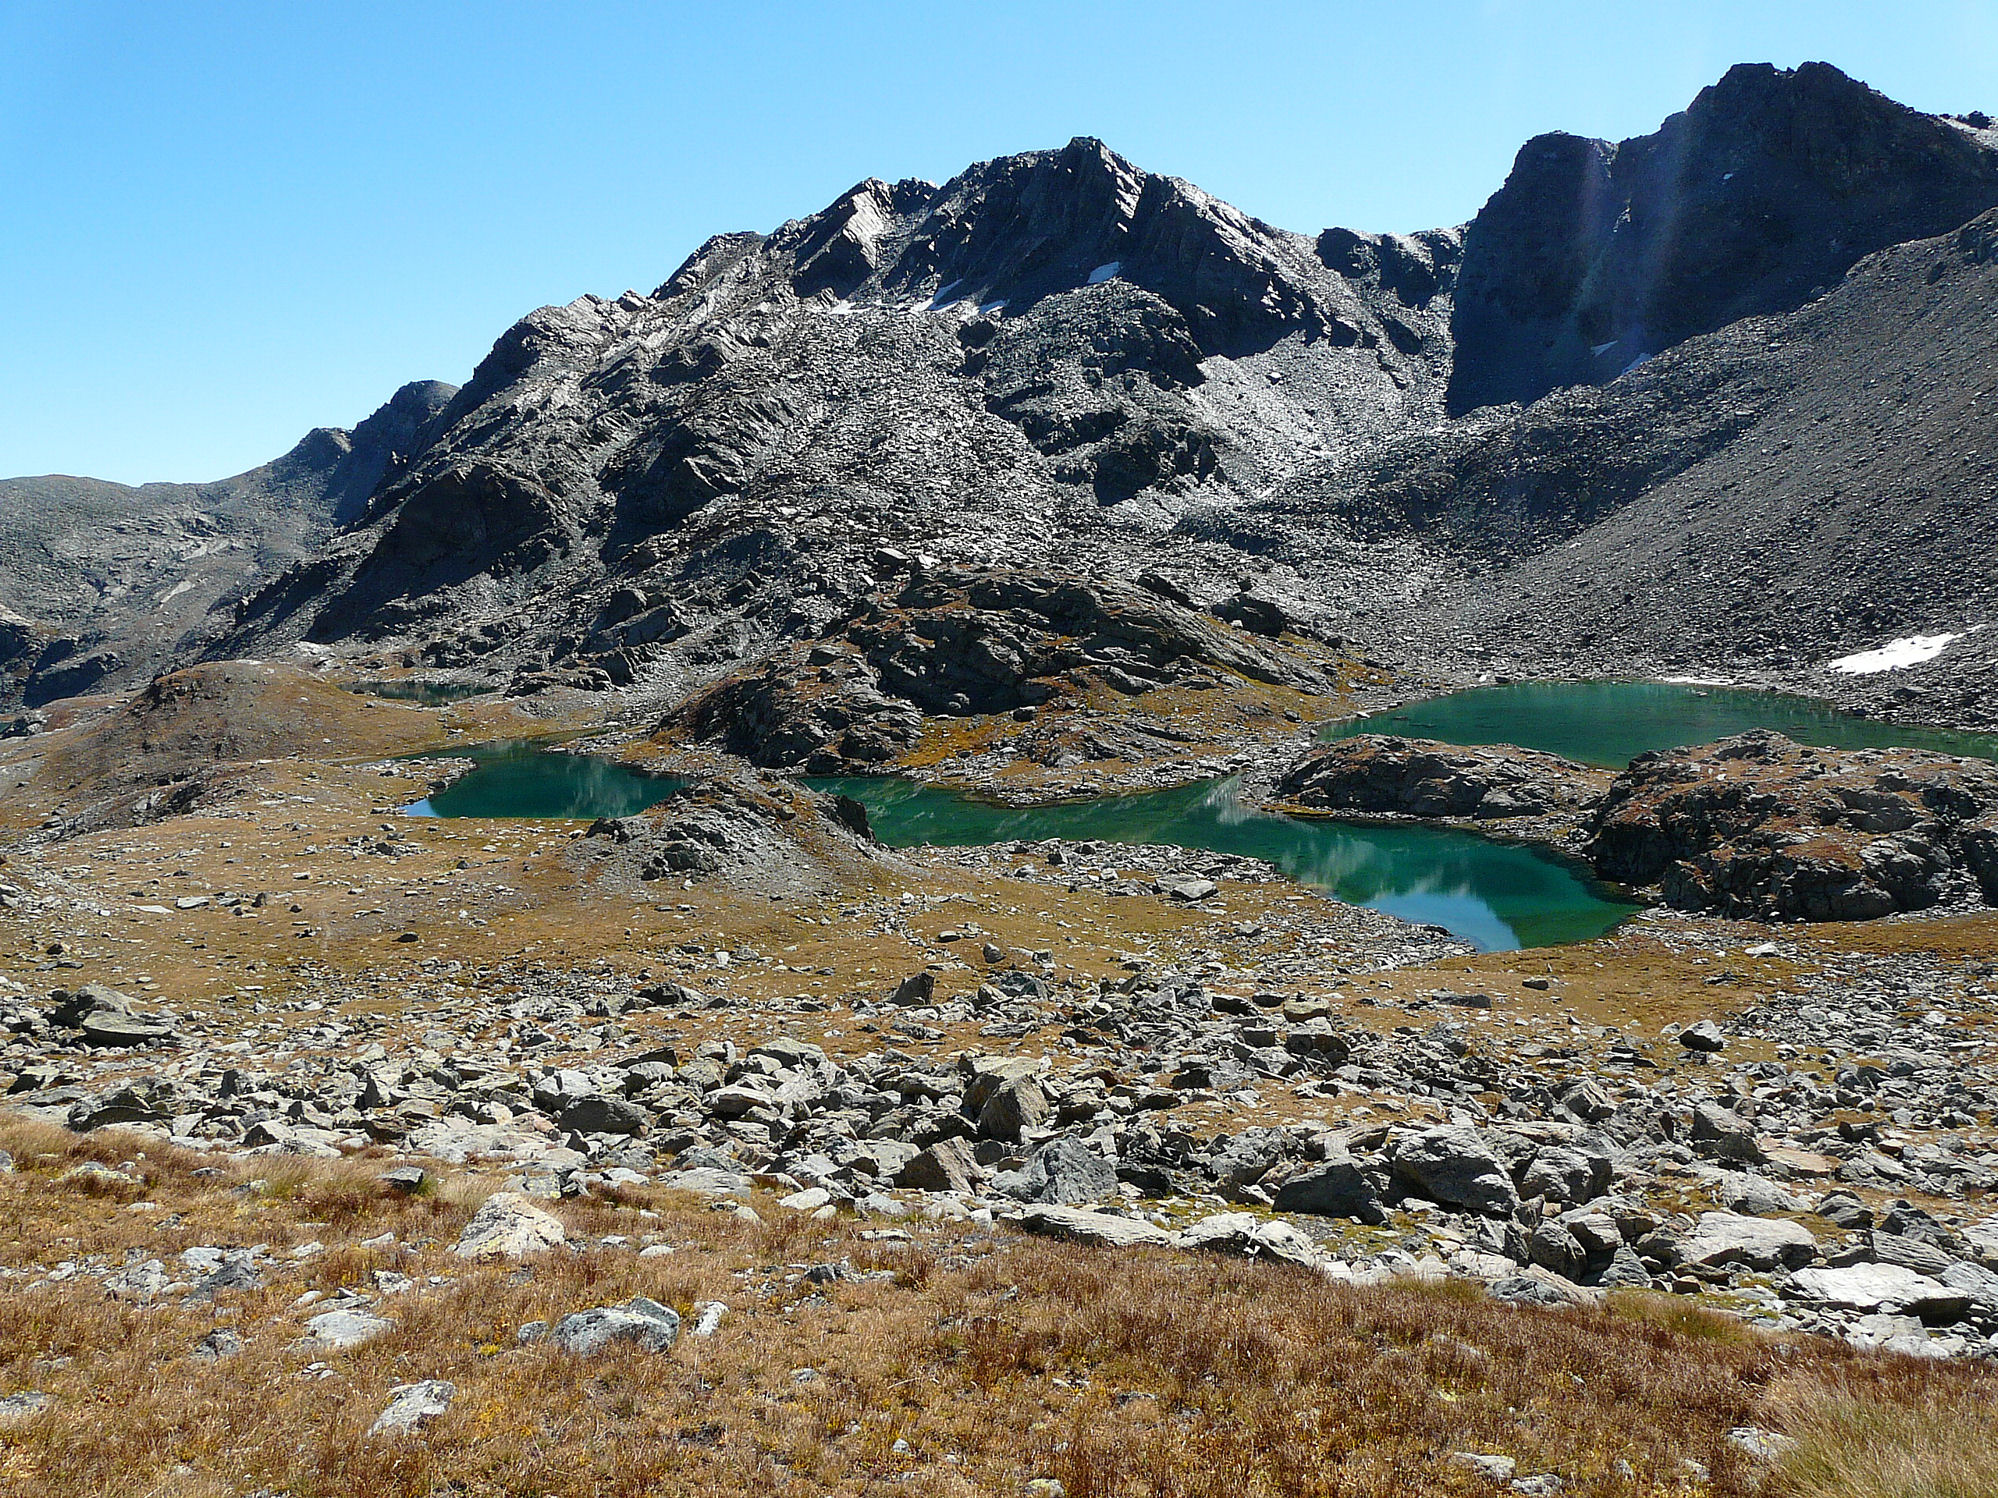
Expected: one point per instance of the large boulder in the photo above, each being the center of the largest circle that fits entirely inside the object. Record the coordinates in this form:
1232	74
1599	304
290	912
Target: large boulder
1335	1187
1731	1239
1062	1170
639	1323
508	1225
1458	1167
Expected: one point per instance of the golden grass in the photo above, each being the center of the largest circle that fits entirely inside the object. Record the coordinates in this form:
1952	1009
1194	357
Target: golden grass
1873	1437
993	1358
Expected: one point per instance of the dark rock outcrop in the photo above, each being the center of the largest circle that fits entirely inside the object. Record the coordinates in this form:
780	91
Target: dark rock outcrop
963	644
1422	778
760	833
1758	826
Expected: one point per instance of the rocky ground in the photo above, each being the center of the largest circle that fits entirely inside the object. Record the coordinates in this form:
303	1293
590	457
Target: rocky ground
737	1007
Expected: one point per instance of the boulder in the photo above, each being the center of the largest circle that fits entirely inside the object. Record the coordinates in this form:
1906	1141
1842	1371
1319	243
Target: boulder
639	1323
1456	1166
508	1225
1013	1108
1334	1187
596	1113
1728	1238
1721	1132
1063	1170
1248	1236
345	1327
947	1165
1103	1229
1883	1287
414	1405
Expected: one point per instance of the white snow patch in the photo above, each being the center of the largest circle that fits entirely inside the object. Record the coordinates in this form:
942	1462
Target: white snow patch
988	308
942	298
1898	655
1599	349
1103	273
1697	681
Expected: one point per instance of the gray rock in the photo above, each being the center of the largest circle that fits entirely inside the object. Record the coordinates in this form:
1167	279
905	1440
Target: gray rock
414	1405
1064	1170
508	1225
1012	1108
346	1327
1703	1035
1721	1132
1457	1167
1335	1187
1727	1238
1248	1236
947	1165
1882	1287
640	1323
595	1113
1103	1229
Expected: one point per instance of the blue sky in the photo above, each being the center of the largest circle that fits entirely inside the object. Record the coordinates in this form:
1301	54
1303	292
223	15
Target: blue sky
227	223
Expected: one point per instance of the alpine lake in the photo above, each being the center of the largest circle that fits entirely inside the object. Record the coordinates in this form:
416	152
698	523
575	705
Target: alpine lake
1497	895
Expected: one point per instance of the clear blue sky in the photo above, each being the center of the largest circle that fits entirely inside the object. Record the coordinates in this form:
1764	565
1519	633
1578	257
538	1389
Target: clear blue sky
227	223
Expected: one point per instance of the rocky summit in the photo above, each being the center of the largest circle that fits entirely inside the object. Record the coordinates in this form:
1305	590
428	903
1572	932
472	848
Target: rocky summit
759	898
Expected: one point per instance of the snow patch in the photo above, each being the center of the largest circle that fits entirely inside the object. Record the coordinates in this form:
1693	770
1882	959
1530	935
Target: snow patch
988	308
1697	681
1103	273
1898	655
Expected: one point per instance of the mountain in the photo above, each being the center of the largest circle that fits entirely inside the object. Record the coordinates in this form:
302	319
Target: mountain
101	584
1593	257
1046	360
1713	398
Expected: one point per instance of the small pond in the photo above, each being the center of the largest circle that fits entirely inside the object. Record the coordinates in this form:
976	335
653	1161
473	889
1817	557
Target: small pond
1495	895
520	778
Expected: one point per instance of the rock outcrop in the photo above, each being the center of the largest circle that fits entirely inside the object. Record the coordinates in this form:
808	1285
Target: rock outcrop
962	644
1381	774
755	832
1761	827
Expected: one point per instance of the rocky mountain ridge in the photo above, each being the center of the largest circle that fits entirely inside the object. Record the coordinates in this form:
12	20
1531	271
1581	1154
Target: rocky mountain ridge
1059	362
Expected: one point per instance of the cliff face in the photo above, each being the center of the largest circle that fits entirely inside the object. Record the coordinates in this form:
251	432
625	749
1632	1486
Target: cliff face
1593	257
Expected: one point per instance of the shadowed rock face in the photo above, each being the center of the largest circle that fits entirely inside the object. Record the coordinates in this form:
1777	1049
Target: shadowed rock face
1761	827
1765	191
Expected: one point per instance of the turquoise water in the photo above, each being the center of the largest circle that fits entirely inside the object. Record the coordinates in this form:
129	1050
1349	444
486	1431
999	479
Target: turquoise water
519	778
1612	722
1495	895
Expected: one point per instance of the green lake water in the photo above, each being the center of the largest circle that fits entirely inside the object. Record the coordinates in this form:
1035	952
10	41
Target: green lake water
1612	722
519	778
1496	895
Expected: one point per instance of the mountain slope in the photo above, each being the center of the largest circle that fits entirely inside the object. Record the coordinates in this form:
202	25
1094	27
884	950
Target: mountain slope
1045	360
1594	256
101	583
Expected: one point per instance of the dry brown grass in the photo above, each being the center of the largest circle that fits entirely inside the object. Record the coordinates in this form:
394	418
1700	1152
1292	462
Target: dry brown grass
994	1358
1879	1431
